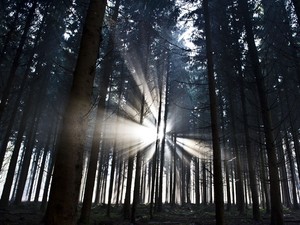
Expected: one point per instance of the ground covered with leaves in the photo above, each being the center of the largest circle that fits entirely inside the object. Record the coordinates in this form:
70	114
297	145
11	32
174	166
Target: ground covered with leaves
29	214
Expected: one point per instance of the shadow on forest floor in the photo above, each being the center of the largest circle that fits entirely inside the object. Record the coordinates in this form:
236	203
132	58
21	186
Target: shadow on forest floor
29	214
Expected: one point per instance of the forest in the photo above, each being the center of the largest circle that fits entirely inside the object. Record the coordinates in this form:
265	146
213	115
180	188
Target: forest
149	112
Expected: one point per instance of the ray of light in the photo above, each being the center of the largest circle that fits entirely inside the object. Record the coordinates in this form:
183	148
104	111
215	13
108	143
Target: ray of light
138	75
194	147
130	136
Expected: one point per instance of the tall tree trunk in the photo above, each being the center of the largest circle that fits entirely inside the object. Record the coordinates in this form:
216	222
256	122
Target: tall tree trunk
65	188
276	207
50	166
204	183
173	200
217	164
239	180
250	159
137	181
154	163
126	206
292	170
264	180
112	178
197	182
119	184
42	168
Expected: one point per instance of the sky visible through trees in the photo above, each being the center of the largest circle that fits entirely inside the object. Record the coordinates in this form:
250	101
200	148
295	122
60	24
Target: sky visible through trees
150	103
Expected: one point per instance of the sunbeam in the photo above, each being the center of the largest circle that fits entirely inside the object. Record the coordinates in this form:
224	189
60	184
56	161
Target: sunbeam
130	135
138	75
194	147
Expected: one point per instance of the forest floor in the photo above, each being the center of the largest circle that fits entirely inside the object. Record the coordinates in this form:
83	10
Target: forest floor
29	214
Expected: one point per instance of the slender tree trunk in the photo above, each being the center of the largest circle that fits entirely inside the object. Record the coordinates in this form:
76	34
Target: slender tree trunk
126	207
137	182
111	182
264	180
174	170
250	159
232	183
136	193
155	166
286	200
119	186
65	188
276	207
239	180
197	182
42	168
217	165
204	183
292	170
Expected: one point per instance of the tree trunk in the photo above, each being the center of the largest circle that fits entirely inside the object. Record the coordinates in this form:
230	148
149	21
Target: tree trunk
250	159
204	183
42	168
217	164
173	199
264	180
292	170
276	207
112	178
119	185
126	207
136	193
65	188
197	175
239	180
